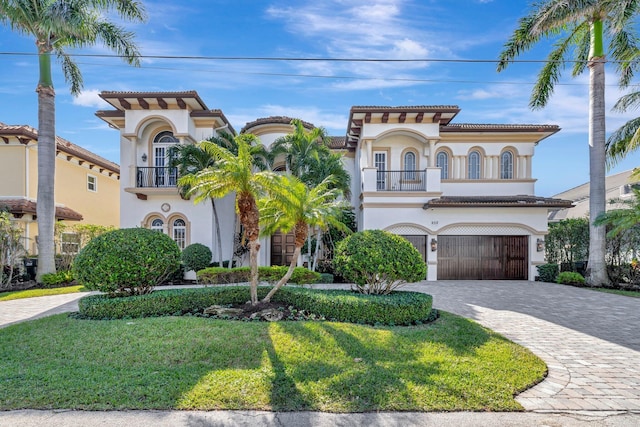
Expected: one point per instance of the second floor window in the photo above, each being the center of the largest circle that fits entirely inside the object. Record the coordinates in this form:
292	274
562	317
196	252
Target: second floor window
474	165
506	165
410	165
92	183
442	161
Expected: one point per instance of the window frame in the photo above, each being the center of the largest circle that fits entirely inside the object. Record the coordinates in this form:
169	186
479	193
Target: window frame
93	178
477	173
444	169
511	166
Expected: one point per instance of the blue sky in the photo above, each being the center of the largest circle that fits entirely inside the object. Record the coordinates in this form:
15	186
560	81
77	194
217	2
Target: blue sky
322	92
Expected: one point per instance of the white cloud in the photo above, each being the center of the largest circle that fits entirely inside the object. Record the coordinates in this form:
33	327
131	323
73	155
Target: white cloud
90	98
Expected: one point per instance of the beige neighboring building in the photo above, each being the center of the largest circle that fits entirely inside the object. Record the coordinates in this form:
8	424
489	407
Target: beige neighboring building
86	187
617	186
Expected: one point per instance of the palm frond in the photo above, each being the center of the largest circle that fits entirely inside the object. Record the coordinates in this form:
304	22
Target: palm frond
623	141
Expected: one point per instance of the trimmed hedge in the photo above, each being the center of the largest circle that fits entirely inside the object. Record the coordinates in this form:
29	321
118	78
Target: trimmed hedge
397	308
570	278
58	279
219	275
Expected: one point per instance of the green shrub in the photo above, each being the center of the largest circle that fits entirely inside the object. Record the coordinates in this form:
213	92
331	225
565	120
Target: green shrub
326	278
196	257
397	308
126	262
54	280
378	262
548	272
219	275
570	278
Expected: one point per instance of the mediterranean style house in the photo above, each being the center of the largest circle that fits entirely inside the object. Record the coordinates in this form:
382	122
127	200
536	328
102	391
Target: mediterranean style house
86	187
463	194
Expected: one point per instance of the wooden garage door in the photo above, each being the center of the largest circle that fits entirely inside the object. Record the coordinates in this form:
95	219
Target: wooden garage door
483	257
282	248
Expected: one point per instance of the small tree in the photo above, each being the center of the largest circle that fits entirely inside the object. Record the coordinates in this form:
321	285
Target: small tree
567	241
11	249
196	257
377	262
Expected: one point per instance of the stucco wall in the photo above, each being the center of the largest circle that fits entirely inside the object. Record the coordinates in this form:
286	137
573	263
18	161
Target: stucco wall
13	170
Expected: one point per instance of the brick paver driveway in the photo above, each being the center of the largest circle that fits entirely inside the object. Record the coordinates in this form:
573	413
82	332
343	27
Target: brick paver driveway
590	340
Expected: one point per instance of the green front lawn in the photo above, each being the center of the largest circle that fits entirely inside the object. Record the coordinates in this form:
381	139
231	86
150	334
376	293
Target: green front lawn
30	293
635	294
198	363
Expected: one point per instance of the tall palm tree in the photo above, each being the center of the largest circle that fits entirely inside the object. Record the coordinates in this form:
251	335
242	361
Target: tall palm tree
190	159
234	173
579	27
292	205
57	25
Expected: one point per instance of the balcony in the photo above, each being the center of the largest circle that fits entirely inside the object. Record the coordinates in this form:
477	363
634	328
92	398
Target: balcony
408	181
156	177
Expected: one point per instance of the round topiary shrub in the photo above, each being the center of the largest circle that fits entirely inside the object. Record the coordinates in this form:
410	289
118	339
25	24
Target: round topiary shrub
196	257
128	261
378	262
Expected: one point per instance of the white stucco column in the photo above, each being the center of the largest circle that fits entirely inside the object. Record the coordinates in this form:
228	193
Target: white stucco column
133	163
432	153
369	150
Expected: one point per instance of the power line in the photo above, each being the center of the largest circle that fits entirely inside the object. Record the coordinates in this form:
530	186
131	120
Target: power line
304	59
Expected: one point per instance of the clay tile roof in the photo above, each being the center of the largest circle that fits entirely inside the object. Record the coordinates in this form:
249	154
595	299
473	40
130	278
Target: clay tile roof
472	127
338	142
273	120
497	201
19	207
62	144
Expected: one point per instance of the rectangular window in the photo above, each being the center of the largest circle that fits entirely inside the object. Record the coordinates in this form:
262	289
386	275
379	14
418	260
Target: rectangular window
69	243
92	183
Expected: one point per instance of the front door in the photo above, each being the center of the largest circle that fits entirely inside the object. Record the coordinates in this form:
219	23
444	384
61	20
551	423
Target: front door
282	248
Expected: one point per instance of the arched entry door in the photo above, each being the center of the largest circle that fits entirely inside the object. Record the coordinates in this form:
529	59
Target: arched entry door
282	248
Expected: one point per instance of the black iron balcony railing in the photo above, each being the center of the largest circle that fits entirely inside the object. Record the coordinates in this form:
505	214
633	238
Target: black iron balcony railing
156	177
407	180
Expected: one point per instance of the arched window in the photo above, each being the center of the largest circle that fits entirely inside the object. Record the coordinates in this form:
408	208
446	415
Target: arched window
157	225
179	232
164	176
474	165
410	165
506	165
442	161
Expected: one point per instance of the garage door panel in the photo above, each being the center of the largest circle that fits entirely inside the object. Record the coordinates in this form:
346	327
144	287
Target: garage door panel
483	257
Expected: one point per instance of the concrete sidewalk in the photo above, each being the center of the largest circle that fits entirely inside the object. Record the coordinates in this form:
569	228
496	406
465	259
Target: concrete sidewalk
32	418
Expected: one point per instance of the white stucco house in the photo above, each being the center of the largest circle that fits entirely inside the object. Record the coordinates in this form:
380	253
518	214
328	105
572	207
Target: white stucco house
463	194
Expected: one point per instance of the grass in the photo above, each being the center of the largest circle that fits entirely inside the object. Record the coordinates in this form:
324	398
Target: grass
30	293
635	294
197	363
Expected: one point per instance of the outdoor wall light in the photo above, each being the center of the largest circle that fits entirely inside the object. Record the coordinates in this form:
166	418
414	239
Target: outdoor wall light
144	157
540	245
434	245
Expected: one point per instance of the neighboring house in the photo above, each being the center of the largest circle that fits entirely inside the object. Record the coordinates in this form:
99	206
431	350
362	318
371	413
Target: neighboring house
617	186
86	187
463	194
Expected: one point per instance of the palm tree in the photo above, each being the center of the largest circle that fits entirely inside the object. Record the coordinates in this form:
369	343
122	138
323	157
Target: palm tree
300	148
625	139
579	27
57	25
620	220
190	159
234	173
292	205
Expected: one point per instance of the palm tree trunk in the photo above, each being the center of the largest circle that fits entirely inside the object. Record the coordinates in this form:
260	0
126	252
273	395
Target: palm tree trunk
317	252
45	207
216	221
233	240
250	219
287	276
596	267
254	248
